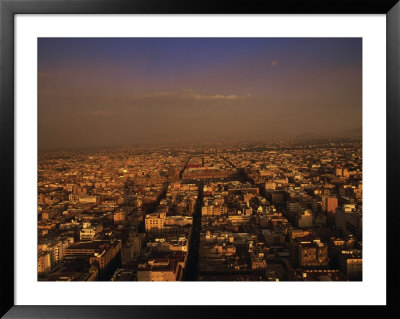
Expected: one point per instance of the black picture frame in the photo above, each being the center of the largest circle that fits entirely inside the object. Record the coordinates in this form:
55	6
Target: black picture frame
8	8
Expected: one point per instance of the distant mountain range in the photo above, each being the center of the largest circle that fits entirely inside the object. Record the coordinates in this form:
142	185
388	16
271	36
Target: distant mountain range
353	133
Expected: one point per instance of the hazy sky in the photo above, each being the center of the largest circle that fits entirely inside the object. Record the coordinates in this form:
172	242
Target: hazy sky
105	92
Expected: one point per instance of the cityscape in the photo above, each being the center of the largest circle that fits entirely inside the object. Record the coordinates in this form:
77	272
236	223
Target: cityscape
153	174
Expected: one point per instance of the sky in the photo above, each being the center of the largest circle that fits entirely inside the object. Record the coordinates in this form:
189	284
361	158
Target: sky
104	92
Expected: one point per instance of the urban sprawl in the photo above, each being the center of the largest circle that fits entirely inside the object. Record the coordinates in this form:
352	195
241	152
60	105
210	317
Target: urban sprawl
209	212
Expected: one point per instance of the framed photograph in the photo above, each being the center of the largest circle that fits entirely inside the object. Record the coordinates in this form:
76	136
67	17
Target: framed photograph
197	159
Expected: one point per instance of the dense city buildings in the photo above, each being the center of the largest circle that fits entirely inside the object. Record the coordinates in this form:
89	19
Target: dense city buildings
209	212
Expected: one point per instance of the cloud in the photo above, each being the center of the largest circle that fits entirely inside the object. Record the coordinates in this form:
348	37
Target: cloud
214	97
274	63
189	94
